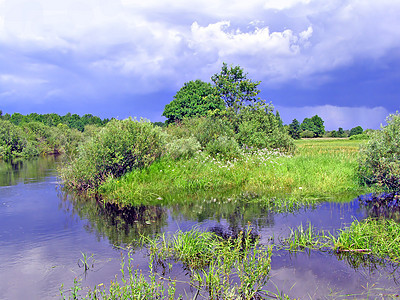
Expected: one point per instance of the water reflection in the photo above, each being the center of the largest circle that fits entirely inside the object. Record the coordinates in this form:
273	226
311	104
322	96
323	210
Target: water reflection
43	232
27	171
120	225
384	205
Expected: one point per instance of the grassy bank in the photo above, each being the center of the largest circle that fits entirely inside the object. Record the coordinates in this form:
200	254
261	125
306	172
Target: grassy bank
319	168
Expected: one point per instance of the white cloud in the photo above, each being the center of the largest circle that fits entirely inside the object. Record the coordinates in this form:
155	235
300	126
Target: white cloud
333	34
135	46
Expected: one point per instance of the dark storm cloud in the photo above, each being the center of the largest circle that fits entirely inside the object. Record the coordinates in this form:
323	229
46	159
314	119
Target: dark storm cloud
130	57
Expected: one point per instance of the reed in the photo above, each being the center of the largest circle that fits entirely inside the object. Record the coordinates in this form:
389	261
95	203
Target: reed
380	237
305	238
233	268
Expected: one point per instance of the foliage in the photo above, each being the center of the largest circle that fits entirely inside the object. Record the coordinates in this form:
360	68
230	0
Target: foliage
308	125
12	140
378	236
315	124
120	147
341	132
183	147
259	128
294	129
380	157
362	136
72	121
307	134
204	129
195	98
356	130
234	88
236	268
319	167
224	147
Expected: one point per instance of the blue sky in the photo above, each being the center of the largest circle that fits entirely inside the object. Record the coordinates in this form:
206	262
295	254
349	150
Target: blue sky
339	59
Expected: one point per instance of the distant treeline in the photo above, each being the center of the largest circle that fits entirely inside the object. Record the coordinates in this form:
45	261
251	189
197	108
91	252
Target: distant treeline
35	134
71	120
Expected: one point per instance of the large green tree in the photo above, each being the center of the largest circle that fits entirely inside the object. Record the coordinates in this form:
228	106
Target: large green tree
195	98
356	130
315	125
294	129
234	88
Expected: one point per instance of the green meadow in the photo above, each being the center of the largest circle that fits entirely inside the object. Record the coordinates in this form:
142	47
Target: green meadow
319	168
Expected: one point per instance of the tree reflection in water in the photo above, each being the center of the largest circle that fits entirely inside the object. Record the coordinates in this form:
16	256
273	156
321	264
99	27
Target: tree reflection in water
120	225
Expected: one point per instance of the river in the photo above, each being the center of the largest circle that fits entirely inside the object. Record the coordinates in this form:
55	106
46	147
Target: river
44	234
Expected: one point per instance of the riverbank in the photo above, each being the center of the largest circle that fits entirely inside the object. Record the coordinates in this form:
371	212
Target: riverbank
318	169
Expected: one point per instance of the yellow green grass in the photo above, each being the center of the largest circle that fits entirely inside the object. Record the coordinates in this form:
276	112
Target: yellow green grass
320	168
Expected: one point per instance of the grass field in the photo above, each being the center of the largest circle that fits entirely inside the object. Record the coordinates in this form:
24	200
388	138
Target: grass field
320	168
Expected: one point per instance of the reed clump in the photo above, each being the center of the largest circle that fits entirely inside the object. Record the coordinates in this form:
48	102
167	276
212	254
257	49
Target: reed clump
378	237
233	268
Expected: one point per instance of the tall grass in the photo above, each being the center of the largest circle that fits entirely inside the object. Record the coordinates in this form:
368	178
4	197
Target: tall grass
319	168
378	237
234	268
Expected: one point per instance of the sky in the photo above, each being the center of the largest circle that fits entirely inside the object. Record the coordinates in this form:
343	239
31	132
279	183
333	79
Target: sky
339	59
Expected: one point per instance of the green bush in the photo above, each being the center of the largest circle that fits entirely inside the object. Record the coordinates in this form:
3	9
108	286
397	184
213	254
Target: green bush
203	129
223	146
183	147
12	140
356	131
307	134
119	147
259	128
380	157
362	136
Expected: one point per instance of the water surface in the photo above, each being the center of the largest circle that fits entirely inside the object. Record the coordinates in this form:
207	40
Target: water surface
44	232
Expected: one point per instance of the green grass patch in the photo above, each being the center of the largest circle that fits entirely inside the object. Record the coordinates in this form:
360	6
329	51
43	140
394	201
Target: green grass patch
320	168
234	268
378	237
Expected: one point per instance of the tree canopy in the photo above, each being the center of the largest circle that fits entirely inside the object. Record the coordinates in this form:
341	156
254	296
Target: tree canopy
315	125
356	130
234	88
195	98
294	129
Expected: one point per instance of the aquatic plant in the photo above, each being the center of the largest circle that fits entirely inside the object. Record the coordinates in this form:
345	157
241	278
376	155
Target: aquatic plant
305	238
380	237
235	268
86	262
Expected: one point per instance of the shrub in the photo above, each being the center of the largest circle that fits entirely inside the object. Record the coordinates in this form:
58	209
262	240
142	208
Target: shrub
204	129
307	134
362	136
223	146
356	130
183	148
259	128
12	140
119	147
380	157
